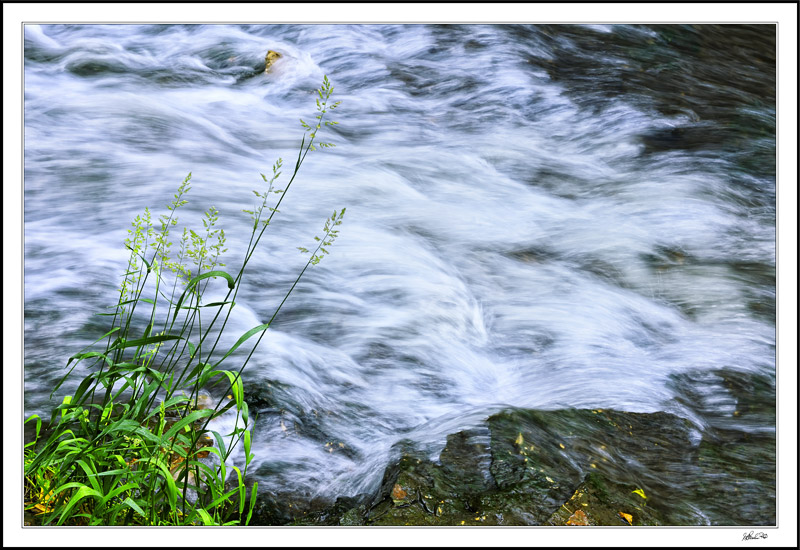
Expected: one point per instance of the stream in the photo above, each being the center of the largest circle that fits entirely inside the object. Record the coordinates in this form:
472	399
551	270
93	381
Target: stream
538	217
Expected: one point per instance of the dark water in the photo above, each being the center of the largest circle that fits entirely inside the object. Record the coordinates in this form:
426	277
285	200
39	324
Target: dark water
545	216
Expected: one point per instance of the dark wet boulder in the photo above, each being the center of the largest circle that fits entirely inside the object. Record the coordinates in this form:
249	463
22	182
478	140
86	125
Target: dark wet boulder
686	138
345	511
733	474
96	67
549	455
527	467
569	467
286	507
598	501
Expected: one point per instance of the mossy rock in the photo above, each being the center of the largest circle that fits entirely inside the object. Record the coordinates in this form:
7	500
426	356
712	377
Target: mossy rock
567	467
598	501
525	468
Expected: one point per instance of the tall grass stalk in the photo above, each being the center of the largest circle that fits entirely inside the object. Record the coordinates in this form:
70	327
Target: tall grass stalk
134	444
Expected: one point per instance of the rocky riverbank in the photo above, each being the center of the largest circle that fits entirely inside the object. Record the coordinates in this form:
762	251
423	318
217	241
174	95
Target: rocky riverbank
528	467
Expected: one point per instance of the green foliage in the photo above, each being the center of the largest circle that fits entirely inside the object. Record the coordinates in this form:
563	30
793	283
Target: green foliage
329	236
134	444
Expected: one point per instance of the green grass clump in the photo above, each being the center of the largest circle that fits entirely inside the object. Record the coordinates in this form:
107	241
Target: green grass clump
132	444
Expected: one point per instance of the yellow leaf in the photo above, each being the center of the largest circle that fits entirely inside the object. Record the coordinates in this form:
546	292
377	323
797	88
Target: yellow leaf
561	445
519	441
640	493
626	517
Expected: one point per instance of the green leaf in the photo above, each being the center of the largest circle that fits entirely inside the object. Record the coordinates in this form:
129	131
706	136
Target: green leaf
236	387
242	490
79	495
242	339
206	518
174	400
118	471
215	304
84	385
143	342
121	426
38	428
118	490
300	154
172	491
148	435
87	355
188	419
247	446
221	447
90	474
193	282
253	493
223	498
129	502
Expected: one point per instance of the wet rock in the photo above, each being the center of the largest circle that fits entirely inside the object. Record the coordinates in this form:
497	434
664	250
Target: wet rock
96	67
270	59
265	396
533	255
540	457
529	468
598	501
568	467
272	509
299	508
433	495
687	138
279	413
345	511
736	459
243	68
568	443
737	466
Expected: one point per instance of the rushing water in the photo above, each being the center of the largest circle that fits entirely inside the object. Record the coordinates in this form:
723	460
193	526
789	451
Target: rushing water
537	216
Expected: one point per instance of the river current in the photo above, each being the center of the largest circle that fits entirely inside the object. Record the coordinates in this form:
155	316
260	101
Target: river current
538	216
